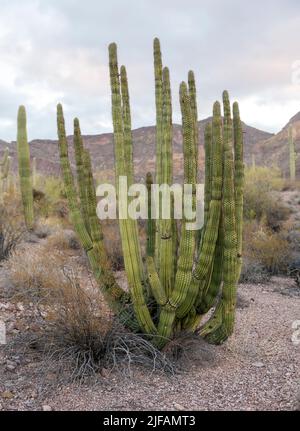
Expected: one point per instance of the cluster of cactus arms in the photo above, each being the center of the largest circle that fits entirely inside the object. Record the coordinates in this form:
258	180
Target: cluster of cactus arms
183	275
293	154
4	172
25	169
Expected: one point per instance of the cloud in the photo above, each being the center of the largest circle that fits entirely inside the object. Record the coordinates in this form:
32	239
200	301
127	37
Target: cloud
56	51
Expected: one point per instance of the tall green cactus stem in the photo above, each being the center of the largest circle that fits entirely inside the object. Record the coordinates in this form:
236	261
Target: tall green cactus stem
185	279
220	326
208	170
115	296
193	98
239	179
292	153
158	75
165	225
210	233
24	169
128	228
128	155
150	220
82	176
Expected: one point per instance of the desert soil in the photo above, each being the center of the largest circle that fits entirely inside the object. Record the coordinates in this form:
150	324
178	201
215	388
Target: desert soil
257	369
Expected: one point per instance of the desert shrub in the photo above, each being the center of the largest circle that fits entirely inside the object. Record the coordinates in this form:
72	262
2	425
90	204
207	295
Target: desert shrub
63	239
42	230
254	272
11	234
113	244
49	196
265	251
35	272
260	200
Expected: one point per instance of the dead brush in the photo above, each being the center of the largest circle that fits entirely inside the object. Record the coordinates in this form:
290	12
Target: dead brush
35	273
83	337
11	235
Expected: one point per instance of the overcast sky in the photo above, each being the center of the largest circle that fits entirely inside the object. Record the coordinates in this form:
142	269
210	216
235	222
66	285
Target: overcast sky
56	51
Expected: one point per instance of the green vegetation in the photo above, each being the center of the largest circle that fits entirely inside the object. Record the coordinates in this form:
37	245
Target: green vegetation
182	281
24	169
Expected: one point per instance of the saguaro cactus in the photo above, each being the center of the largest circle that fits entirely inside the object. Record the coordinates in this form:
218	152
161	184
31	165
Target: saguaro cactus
293	155
184	279
24	168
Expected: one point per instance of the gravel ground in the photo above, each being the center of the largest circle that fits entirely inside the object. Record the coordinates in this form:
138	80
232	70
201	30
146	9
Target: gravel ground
257	369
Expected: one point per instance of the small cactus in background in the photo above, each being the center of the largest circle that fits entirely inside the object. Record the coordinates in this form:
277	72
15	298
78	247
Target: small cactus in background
293	155
24	169
185	274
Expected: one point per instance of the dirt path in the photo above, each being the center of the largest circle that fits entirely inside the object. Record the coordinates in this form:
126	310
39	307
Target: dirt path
257	369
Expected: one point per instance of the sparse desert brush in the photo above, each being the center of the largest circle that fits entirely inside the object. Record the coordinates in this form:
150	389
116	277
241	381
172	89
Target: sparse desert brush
265	249
113	243
260	201
11	234
49	197
266	178
36	271
63	239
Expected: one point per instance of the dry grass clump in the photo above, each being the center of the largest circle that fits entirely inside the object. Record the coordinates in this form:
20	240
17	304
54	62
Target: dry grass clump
35	273
80	338
113	244
63	239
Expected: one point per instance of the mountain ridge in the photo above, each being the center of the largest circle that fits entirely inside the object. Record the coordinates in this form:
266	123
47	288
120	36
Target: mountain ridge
268	148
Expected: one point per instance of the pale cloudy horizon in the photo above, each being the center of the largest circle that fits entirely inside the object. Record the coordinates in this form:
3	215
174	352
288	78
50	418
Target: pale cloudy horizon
56	51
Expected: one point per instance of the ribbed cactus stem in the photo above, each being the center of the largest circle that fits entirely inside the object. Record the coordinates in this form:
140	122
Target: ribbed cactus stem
128	151
128	228
158	74
115	296
24	169
150	220
223	320
193	98
165	225
239	179
208	170
82	176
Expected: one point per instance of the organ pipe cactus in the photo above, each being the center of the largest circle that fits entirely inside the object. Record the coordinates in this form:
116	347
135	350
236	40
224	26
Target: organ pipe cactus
24	168
185	274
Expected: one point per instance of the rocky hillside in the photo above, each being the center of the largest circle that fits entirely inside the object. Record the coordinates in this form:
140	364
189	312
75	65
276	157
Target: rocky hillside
275	150
101	149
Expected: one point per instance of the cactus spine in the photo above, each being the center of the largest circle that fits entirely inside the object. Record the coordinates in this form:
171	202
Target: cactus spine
184	279
24	169
293	155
